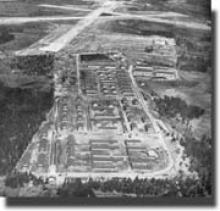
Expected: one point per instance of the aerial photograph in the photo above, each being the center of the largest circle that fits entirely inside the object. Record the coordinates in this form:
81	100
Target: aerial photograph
106	99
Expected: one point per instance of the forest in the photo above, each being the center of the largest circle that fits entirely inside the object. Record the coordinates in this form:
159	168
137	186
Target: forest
170	107
22	111
35	65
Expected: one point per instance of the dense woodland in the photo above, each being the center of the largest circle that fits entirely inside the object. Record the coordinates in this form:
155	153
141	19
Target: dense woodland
21	113
170	107
18	180
35	65
201	155
194	49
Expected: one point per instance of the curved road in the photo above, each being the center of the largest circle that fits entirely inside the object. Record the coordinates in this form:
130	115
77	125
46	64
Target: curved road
152	119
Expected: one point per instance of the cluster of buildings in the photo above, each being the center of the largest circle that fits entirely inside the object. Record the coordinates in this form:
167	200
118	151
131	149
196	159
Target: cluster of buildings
154	73
140	157
124	84
107	156
78	155
92	132
137	120
36	157
158	62
65	75
89	82
70	114
72	155
64	114
98	78
107	80
105	116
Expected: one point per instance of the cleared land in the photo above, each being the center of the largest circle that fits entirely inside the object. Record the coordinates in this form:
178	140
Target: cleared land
88	137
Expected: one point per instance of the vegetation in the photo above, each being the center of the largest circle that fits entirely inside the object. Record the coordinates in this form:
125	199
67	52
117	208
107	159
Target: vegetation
35	65
194	63
177	187
24	8
200	153
201	161
172	106
76	188
6	63
194	50
5	36
21	113
94	57
140	27
18	180
194	8
23	35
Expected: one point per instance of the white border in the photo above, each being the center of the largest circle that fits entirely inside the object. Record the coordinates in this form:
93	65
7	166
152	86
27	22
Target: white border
215	7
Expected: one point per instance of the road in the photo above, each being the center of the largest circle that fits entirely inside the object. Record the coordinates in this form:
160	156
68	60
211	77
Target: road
22	20
107	6
92	16
152	119
78	75
158	19
79	27
66	7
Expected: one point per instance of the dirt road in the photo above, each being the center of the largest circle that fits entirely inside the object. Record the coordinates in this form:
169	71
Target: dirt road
21	20
152	119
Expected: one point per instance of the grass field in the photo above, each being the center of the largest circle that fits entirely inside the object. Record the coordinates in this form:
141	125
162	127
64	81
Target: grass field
138	27
199	9
23	35
22	8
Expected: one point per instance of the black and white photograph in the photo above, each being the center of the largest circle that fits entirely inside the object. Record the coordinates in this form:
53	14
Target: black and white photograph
107	100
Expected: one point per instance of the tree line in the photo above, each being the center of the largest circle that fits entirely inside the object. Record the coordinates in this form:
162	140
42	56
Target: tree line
22	111
35	65
199	152
172	106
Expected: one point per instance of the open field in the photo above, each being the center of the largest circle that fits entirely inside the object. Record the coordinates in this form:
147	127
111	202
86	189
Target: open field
22	35
20	8
187	7
58	31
